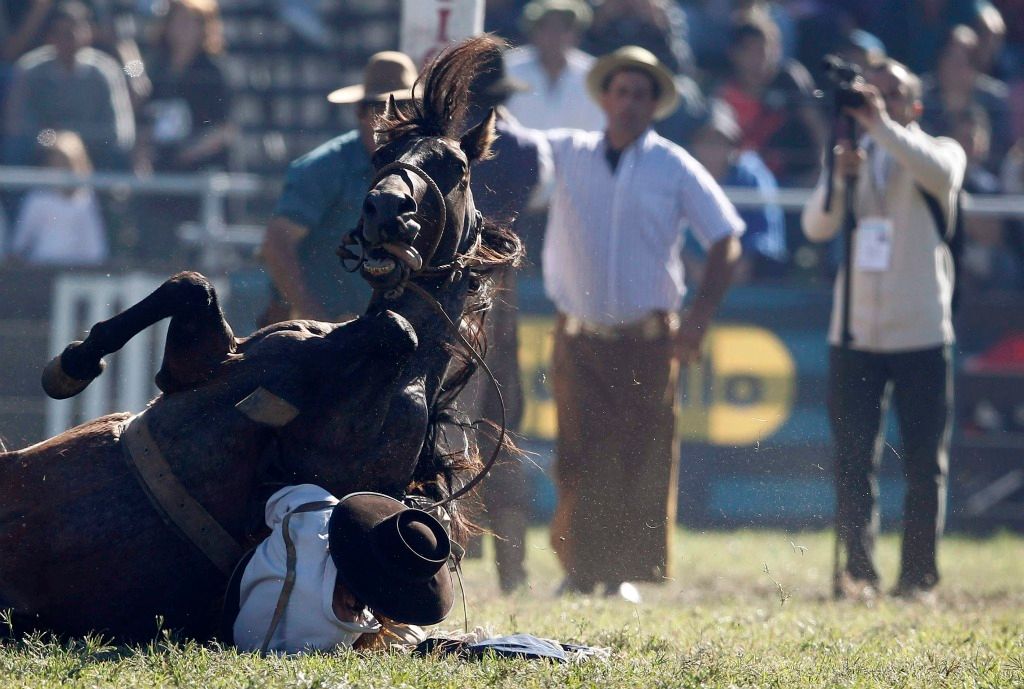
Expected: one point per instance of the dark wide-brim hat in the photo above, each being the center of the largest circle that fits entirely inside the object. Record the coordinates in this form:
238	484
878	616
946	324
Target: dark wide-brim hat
636	58
387	73
392	558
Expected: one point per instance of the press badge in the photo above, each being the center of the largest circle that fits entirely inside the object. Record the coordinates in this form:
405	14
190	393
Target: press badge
874	244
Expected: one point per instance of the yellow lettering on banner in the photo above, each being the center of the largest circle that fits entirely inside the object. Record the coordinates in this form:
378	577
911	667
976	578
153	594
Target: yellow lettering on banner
741	394
536	340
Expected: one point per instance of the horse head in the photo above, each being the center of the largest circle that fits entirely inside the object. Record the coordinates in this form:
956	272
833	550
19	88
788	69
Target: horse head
418	217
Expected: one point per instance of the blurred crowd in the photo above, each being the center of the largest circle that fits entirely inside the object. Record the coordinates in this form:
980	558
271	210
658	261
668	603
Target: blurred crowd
79	92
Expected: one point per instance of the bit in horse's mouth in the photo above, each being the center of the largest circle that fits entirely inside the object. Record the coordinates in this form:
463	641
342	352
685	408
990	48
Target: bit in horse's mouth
379	267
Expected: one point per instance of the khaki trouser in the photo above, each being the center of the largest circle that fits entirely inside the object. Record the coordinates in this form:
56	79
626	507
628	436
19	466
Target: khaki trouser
617	462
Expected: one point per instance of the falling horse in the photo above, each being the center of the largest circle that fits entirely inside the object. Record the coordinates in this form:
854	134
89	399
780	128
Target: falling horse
132	518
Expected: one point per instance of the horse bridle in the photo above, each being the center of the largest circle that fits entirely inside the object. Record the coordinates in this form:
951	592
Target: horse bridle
413	265
411	262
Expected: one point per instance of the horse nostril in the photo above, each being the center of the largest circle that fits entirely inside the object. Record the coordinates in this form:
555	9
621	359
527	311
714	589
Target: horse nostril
406	205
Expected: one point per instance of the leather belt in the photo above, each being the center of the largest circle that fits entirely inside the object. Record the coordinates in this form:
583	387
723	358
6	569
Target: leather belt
654	326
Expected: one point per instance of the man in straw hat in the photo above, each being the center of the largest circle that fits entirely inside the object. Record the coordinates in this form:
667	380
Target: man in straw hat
612	266
332	571
322	199
554	68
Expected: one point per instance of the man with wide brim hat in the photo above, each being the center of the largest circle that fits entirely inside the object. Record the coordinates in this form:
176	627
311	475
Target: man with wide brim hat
322	199
624	200
392	558
554	68
388	73
638	59
334	572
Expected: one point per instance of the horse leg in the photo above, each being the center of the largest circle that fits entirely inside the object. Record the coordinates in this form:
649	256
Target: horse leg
198	338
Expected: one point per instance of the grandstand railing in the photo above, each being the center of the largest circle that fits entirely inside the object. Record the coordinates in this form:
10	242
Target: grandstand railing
211	234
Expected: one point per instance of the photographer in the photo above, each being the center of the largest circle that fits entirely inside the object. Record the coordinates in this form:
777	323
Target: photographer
899	305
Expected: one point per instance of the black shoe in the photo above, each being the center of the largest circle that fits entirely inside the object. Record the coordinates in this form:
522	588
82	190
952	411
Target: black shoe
570	586
856	589
915	592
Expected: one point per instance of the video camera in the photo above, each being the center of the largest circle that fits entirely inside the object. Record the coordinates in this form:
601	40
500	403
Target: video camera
844	76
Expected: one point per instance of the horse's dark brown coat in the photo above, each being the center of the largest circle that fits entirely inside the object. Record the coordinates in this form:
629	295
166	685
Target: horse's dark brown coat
82	548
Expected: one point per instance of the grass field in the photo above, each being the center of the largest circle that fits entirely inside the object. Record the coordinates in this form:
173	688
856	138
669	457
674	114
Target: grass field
746	609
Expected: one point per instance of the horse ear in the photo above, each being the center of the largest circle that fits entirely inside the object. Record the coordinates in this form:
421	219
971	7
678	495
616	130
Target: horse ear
476	143
391	109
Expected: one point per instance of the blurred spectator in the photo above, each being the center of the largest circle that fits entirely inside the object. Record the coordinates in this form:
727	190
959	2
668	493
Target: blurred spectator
61	226
957	84
913	30
774	102
709	21
554	68
716	145
184	127
657	25
68	85
986	262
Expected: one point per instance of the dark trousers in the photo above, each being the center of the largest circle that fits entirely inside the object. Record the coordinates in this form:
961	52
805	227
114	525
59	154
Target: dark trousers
861	385
617	458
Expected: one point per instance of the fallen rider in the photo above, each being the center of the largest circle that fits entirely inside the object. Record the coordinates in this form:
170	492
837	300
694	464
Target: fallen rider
362	572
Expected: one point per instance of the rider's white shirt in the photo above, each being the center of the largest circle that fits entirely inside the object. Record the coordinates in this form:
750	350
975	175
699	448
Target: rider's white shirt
309	621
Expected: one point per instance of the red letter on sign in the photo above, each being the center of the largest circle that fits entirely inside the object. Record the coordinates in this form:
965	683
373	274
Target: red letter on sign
442	24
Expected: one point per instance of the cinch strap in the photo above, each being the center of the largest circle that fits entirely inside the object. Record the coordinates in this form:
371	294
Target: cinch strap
172	501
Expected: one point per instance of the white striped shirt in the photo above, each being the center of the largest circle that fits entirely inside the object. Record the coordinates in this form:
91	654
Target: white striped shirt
612	247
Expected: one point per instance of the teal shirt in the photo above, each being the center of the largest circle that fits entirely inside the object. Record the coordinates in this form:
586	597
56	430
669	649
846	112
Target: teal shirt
324	191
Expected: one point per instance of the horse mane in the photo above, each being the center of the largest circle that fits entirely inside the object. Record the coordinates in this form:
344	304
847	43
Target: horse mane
441	107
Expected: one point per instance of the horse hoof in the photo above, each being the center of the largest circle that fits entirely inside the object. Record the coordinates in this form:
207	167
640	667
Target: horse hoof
58	384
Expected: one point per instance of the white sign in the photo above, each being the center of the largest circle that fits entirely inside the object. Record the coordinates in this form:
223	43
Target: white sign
430	25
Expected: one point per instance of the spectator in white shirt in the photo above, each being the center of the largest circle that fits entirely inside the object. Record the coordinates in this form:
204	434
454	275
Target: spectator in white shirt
554	68
612	265
363	567
61	226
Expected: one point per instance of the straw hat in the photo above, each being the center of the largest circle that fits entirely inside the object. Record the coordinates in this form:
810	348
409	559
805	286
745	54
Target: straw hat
391	557
578	10
388	73
635	57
